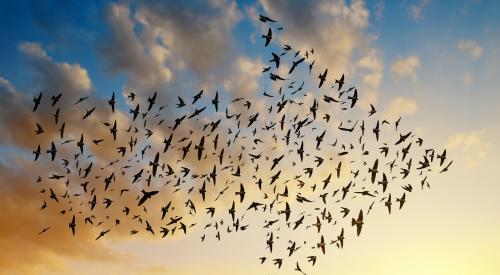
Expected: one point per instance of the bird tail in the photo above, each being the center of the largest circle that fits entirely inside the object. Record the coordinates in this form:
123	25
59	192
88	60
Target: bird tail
353	222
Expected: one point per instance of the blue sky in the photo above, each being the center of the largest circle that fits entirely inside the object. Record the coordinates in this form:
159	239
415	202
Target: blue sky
73	32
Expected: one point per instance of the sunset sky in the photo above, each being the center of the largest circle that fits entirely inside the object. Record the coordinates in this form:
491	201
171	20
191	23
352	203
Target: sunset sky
435	63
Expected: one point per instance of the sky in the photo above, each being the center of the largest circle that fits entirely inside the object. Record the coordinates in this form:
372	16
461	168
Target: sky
434	63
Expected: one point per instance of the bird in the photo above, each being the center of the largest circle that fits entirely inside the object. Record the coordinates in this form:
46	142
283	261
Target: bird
241	193
402	138
102	234
441	158
373	170
276	60
265	19
295	64
39	130
322	244
152	101
288	159
401	200
113	131
52	151
268	36
37	100
353	98
72	225
340	82
37	153
322	78
446	168
372	110
181	103
358	222
88	113
80	144
215	101
55	99
155	164
197	97
200	147
112	102
146	195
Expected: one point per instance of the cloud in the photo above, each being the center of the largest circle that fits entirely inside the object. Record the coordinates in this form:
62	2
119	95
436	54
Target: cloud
467	78
13	128
20	197
151	58
379	9
30	253
400	106
7	88
338	33
123	51
200	35
155	269
305	22
471	47
243	80
373	64
471	147
417	8
55	76
408	66
161	40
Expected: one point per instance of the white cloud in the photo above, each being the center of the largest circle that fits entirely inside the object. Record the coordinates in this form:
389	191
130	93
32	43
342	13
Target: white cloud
337	31
400	106
306	23
379	9
373	66
55	76
374	63
470	147
7	87
471	47
407	66
33	49
416	9
467	78
155	44
243	81
125	51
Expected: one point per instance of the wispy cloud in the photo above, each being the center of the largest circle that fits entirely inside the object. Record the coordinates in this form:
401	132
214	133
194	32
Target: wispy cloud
467	78
55	76
400	106
338	32
471	47
406	66
30	253
417	8
471	147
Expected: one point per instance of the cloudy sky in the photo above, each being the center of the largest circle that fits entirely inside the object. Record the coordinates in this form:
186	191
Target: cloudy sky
436	63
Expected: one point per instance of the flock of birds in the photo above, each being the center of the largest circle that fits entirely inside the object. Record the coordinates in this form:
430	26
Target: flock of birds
295	166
